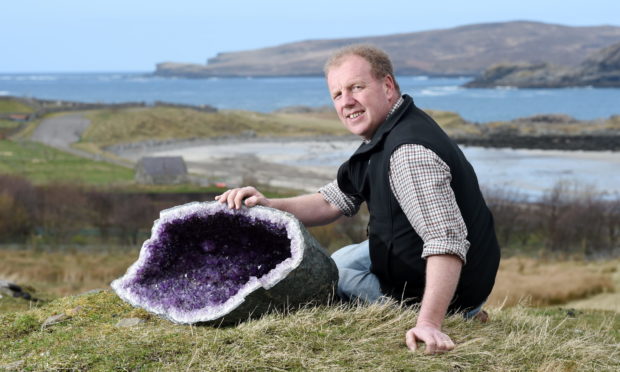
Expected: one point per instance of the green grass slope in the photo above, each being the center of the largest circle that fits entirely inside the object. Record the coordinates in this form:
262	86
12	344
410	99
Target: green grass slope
10	106
328	338
43	164
163	123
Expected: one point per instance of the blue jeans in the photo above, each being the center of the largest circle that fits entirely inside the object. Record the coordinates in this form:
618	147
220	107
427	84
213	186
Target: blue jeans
356	282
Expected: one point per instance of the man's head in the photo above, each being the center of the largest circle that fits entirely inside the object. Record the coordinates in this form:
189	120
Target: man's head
361	83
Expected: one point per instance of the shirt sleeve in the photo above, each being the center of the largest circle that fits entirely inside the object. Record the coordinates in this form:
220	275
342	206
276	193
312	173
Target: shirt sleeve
420	181
349	205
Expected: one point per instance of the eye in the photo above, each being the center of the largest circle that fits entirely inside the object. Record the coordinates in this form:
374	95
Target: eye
336	96
357	87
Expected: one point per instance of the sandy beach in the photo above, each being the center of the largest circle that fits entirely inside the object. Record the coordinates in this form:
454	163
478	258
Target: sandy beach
307	164
302	164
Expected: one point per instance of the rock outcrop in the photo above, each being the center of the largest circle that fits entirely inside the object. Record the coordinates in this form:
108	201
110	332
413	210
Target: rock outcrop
601	69
14	290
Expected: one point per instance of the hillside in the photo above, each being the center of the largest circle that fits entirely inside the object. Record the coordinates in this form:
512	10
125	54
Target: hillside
465	50
123	128
601	69
97	331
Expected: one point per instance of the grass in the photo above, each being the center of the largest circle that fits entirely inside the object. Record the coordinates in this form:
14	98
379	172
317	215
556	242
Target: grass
321	338
9	105
60	273
8	124
43	164
160	123
541	283
536	128
336	337
453	123
554	282
327	338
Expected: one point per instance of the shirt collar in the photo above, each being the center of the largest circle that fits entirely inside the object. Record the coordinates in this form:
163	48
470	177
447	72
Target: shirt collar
390	113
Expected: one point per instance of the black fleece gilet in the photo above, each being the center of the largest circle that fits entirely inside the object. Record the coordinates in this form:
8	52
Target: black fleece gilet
395	247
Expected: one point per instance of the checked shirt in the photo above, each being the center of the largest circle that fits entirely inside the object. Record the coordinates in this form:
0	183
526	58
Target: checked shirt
420	182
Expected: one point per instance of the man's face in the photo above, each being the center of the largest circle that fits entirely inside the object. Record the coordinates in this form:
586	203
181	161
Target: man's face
361	100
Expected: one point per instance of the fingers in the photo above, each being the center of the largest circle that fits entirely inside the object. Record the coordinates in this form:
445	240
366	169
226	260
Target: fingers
235	197
436	341
251	201
410	340
439	344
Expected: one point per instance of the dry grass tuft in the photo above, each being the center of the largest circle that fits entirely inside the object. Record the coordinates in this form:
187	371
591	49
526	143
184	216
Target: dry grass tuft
549	283
64	273
536	282
327	338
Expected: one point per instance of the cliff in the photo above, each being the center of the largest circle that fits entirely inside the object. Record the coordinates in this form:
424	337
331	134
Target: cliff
601	69
465	50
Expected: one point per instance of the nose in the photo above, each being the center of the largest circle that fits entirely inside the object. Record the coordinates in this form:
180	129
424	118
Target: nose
347	99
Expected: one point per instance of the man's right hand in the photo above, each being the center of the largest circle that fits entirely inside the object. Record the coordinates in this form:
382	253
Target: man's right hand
247	196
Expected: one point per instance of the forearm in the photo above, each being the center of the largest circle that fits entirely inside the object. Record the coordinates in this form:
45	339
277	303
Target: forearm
311	209
442	277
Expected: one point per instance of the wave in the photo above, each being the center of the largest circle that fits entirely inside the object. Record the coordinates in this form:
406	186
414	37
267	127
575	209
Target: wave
440	91
106	78
28	78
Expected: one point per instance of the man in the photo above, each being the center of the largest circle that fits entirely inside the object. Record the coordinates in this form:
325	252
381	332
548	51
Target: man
431	235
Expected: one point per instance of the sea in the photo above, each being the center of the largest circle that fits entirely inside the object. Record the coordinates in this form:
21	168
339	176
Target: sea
531	172
269	94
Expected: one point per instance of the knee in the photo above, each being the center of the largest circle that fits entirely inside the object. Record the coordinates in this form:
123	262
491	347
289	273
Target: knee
358	285
353	256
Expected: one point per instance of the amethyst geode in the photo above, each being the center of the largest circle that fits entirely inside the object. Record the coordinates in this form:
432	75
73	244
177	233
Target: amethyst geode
205	261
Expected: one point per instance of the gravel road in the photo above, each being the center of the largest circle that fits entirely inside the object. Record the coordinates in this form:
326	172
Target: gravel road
62	131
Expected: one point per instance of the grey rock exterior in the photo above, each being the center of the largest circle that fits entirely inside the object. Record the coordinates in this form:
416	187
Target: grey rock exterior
307	275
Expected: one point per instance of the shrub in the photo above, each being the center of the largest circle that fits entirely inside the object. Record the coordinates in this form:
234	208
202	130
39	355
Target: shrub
17	208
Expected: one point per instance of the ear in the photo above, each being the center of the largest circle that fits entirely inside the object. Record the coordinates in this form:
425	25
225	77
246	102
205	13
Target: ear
389	86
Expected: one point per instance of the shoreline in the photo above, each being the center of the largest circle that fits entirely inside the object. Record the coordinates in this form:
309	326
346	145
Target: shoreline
307	163
586	143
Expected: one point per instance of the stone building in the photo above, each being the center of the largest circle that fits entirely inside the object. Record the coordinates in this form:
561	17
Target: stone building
161	170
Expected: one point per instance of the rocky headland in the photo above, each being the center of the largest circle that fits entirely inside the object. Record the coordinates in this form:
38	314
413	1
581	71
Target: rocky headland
546	132
601	70
465	50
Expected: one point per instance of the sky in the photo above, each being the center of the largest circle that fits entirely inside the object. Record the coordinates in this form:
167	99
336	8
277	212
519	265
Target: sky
135	35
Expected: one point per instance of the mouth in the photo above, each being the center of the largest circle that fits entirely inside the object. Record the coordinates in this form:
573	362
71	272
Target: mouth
355	115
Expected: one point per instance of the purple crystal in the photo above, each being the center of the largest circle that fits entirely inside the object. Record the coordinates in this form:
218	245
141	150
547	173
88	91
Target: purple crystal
203	259
213	255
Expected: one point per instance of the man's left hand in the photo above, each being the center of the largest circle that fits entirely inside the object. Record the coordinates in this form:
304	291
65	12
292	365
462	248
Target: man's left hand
435	340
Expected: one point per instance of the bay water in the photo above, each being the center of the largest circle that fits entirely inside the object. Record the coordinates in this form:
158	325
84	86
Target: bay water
268	94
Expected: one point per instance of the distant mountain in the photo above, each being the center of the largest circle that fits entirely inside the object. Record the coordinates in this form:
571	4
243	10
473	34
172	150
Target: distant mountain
601	69
466	50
